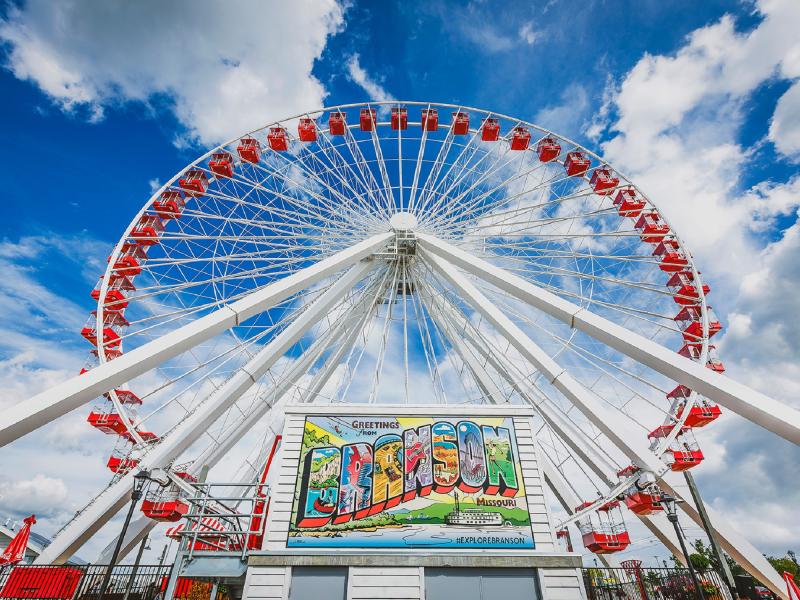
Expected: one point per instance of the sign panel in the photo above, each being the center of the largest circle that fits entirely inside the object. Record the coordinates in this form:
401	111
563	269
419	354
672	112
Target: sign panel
409	482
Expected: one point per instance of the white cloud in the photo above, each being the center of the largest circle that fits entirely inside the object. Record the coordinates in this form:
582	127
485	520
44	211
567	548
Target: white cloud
41	495
527	33
784	130
225	69
360	77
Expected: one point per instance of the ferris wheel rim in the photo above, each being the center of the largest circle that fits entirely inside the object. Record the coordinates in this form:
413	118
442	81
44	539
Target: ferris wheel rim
698	284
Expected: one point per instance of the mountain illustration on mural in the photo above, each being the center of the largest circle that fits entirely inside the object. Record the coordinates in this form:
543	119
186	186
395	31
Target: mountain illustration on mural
415	481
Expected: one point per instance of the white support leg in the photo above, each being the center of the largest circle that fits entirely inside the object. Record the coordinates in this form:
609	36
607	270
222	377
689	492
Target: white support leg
104	506
47	406
752	405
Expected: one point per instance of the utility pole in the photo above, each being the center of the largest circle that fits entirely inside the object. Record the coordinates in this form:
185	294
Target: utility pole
712	535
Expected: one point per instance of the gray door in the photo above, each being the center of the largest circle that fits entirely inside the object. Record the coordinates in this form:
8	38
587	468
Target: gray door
318	583
480	584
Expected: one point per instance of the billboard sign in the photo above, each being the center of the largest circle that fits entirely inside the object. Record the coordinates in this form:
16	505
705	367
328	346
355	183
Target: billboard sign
409	482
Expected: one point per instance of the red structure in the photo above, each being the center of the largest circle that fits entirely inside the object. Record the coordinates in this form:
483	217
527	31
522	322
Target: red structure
194	183
278	139
628	203
548	149
690	322
604	531
651	228
108	420
700	415
460	123
576	163
520	138
368	119
490	129
684	449
672	259
130	259
170	204
44	583
336	123
307	130
147	231
683	289
116	293
399	118
221	164
430	119
249	150
113	322
167	505
120	460
603	181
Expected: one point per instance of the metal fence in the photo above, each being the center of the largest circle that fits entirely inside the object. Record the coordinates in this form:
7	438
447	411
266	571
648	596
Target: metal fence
82	582
652	584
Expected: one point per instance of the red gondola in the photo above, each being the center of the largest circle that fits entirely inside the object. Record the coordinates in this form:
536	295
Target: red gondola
672	259
680	391
643	503
683	290
194	183
430	119
651	228
307	130
690	322
548	149
147	231
368	118
460	123
628	203
603	181
700	415
119	462
106	419
249	150
490	129
125	397
130	259
336	123
221	164
278	139
520	138
167	505
113	323
116	292
576	163
684	451
170	205
604	530
399	118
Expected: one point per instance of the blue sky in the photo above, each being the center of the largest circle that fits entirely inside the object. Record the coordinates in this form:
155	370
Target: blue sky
697	102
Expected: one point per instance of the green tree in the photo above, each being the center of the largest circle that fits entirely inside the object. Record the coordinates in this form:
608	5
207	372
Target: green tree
784	564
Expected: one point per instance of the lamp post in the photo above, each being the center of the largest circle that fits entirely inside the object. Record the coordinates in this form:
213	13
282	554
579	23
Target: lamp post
672	516
139	482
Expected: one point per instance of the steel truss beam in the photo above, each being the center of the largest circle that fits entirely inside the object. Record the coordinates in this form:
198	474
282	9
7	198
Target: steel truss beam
732	541
771	414
104	506
47	406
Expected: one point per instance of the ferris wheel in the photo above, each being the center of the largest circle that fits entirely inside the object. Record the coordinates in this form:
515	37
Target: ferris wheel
405	253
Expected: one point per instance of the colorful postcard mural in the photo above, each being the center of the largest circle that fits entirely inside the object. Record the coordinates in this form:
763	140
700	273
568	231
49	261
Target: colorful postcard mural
409	482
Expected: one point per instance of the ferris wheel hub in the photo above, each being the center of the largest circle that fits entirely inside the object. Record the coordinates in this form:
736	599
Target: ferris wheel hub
403	221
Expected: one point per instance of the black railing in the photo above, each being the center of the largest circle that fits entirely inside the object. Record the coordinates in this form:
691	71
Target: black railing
82	582
652	584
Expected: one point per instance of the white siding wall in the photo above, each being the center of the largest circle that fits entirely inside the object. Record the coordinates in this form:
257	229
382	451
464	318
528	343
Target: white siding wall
266	583
561	584
534	490
395	583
